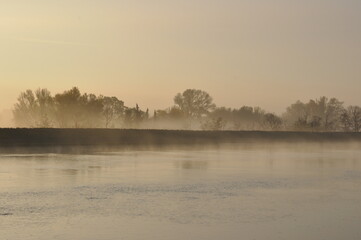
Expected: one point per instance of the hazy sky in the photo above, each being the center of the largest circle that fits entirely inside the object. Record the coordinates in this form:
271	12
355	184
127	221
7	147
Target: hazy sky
243	52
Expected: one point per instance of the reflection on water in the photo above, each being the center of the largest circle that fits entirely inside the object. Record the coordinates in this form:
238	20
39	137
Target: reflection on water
189	164
252	192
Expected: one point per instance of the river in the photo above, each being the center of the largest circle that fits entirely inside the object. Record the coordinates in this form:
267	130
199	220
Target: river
245	192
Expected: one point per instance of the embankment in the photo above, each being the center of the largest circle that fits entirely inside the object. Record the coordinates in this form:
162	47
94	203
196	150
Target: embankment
20	137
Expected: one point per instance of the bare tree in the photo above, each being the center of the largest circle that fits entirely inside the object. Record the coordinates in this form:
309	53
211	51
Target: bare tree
244	118
25	110
351	119
272	122
113	109
296	116
34	110
214	124
68	108
194	103
91	108
355	112
320	114
329	111
46	109
133	117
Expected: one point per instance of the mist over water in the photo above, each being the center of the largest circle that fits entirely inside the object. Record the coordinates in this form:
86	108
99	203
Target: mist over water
249	191
193	109
173	120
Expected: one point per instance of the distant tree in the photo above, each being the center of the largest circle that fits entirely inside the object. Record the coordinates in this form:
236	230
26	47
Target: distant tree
226	113
113	109
249	118
320	114
91	108
296	116
34	110
194	103
272	122
146	115
133	117
355	117
345	121
214	124
244	118
351	119
300	124
46	109
170	118
155	115
138	114
192	107
161	115
69	108
328	110
315	123
25	110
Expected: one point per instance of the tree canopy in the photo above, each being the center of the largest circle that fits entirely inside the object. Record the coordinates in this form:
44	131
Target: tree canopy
194	103
192	109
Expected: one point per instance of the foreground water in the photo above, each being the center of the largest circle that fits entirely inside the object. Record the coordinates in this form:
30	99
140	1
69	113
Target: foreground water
254	192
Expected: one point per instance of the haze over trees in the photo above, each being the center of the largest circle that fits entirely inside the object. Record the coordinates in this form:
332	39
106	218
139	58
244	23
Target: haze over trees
69	109
192	109
322	114
194	103
351	119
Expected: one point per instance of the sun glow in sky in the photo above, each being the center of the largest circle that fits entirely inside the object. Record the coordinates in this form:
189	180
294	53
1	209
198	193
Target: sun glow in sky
243	52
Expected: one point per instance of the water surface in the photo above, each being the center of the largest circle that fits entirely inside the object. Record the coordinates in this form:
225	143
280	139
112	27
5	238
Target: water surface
253	192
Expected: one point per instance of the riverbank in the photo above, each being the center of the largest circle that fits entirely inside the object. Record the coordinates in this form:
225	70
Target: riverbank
21	137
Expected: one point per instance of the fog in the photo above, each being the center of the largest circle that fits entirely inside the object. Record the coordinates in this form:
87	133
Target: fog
192	109
6	119
180	120
248	191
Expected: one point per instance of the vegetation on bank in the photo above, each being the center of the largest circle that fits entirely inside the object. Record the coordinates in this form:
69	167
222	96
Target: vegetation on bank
192	109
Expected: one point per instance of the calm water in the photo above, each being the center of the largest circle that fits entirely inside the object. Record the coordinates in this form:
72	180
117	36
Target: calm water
252	192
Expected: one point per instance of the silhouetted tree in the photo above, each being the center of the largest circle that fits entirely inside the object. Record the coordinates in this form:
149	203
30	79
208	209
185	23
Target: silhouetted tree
25	110
194	103
328	110
272	122
46	108
315	123
345	121
244	118
320	114
74	109
134	116
113	109
171	118
296	116
34	110
146	116
351	119
69	108
355	116
91	107
214	124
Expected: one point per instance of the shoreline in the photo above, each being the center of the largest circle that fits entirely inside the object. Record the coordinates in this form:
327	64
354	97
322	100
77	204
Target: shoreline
52	137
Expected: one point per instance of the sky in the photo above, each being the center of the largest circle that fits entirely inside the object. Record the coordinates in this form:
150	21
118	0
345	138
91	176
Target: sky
242	52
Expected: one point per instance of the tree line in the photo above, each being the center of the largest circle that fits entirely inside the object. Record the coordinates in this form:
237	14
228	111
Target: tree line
192	109
71	109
